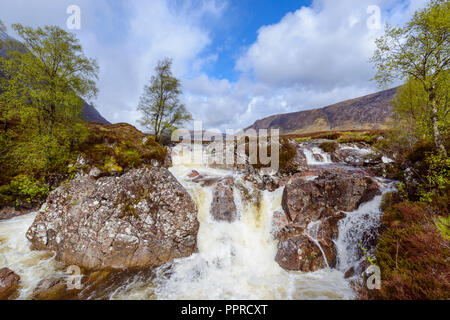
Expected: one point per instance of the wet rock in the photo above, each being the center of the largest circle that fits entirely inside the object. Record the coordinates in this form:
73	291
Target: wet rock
299	160
356	155
9	283
318	157
52	289
309	248
11	212
305	201
348	156
168	159
349	273
141	219
223	207
279	222
92	285
299	253
193	174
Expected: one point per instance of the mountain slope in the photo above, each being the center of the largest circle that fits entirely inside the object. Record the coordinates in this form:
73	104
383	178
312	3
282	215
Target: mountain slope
368	112
89	113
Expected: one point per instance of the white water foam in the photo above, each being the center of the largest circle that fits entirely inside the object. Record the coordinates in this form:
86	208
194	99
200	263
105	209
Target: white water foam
356	226
15	254
235	260
312	161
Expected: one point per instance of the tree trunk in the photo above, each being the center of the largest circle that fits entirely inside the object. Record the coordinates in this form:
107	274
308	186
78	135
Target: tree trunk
436	133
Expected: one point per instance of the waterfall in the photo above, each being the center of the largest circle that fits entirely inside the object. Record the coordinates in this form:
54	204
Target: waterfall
234	260
312	232
15	254
324	157
357	228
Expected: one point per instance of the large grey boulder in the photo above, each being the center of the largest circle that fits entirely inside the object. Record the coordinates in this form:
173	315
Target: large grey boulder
141	219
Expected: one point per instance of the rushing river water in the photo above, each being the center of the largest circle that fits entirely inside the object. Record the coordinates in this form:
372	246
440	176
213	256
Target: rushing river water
234	260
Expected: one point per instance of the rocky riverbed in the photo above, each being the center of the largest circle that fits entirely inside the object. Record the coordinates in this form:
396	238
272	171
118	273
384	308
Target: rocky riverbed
202	231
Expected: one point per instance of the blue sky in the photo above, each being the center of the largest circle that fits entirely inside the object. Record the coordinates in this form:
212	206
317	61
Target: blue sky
239	30
238	60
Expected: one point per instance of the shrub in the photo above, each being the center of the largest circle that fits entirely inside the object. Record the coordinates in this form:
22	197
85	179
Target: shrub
412	255
111	165
26	189
329	146
437	180
122	142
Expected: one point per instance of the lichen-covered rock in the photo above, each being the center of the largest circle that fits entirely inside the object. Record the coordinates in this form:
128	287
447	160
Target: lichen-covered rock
223	207
11	212
313	209
299	253
338	190
9	282
141	219
308	248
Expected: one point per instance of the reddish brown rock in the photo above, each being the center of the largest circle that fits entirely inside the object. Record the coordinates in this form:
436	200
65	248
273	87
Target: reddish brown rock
299	253
11	212
223	207
193	174
337	190
279	222
141	219
9	283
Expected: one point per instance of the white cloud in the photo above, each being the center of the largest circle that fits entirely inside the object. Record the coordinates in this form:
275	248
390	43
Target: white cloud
149	31
312	57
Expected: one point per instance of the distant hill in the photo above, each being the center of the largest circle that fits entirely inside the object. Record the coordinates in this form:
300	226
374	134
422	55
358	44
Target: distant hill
364	113
89	113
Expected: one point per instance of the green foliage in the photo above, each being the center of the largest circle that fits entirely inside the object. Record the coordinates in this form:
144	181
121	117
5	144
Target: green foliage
353	137
40	105
419	53
111	165
438	178
128	146
26	189
160	104
302	139
443	224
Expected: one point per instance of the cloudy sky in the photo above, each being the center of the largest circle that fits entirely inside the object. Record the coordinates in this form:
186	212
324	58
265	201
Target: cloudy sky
239	60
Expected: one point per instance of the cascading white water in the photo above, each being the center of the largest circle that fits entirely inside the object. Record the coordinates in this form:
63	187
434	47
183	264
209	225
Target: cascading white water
357	224
311	232
323	157
15	254
234	260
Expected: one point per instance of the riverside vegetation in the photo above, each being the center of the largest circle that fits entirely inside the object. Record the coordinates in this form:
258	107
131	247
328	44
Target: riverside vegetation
133	213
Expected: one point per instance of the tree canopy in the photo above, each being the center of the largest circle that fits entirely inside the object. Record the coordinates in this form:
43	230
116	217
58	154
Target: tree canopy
419	54
42	83
160	102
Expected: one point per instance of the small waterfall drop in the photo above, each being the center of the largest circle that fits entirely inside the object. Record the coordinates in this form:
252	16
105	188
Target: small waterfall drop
358	228
235	260
316	156
15	254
